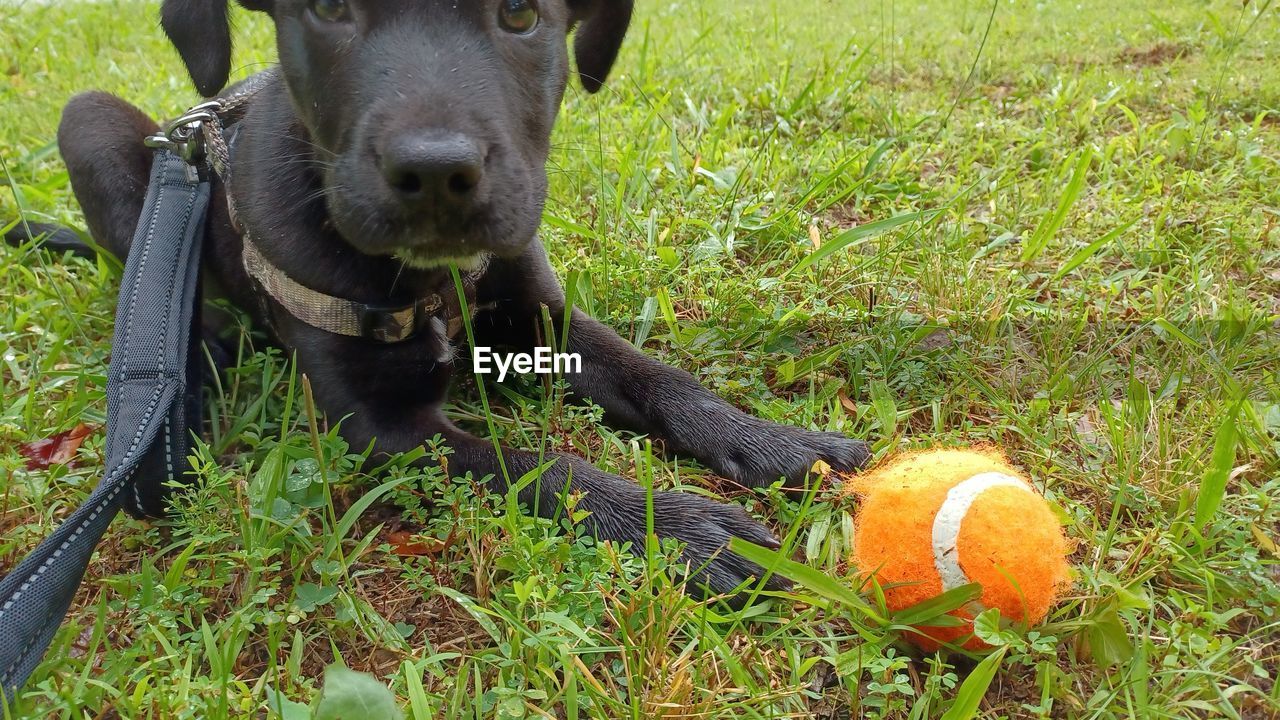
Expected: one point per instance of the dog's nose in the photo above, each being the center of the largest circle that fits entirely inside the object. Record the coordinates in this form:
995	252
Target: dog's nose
440	168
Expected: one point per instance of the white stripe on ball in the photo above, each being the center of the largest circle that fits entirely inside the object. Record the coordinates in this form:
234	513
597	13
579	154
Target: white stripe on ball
946	524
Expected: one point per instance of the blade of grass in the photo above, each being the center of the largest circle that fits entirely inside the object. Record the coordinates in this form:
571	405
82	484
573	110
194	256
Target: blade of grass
862	233
1214	485
1052	223
1090	250
814	580
933	608
974	688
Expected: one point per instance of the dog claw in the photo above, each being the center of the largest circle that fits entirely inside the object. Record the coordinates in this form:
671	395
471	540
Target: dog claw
760	456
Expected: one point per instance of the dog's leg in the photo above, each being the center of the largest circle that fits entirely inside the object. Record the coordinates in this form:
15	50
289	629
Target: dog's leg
101	141
617	507
53	238
644	395
647	396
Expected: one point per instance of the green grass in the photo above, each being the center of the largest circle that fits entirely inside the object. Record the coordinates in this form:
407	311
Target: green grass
1091	283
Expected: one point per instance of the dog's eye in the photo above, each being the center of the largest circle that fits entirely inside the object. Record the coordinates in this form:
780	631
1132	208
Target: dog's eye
517	16
330	10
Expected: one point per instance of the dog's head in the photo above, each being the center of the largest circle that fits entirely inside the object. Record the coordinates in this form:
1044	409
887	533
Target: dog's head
431	119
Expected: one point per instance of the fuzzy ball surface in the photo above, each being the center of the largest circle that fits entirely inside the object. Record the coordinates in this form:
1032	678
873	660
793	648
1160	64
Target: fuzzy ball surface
934	520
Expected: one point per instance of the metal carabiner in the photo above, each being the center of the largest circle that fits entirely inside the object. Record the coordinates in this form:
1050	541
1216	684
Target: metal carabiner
184	136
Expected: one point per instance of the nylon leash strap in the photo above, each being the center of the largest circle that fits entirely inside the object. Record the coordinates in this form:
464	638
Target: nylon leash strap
153	407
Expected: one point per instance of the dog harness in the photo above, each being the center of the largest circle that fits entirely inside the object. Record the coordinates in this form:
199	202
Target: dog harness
155	380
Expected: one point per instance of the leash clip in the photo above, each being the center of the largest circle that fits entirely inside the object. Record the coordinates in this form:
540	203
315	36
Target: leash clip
185	136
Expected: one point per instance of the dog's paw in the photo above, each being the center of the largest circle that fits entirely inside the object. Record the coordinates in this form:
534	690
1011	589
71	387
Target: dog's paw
760	455
843	454
705	527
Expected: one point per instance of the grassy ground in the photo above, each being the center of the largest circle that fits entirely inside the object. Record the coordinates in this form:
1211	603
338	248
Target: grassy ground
1093	286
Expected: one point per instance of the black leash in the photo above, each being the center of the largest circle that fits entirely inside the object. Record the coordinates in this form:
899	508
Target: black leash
153	403
153	392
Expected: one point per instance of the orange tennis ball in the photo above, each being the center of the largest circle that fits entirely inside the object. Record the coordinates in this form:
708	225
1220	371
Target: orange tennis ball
935	520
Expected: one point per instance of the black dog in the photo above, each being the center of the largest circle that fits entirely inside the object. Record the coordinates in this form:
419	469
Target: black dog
401	136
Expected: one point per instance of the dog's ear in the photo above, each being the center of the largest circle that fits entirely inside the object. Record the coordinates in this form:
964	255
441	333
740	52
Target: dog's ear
201	31
602	24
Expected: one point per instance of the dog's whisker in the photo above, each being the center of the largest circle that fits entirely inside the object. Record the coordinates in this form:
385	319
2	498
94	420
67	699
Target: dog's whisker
399	272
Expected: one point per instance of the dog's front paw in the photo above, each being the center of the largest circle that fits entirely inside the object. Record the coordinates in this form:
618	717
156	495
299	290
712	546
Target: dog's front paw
843	454
758	455
705	527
